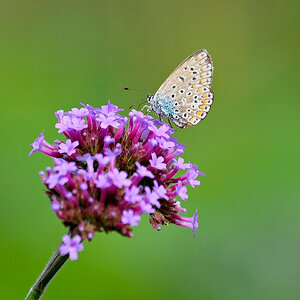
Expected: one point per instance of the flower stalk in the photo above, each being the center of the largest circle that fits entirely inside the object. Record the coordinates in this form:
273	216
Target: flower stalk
54	265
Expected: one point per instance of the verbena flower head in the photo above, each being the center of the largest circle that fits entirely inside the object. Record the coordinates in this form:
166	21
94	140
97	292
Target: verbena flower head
110	170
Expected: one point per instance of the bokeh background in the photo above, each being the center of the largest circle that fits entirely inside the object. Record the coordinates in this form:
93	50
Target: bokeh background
56	54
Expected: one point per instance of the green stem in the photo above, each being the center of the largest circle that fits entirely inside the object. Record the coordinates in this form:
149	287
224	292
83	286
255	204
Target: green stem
53	266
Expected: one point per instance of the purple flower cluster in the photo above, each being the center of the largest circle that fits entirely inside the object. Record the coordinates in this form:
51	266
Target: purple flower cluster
111	170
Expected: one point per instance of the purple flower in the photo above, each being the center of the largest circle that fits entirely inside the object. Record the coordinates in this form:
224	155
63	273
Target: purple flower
132	195
128	217
165	144
68	147
55	206
59	114
92	112
83	186
188	222
110	109
160	190
71	246
180	164
118	178
102	181
153	142
69	195
77	124
37	144
143	171
195	222
157	162
79	113
140	115
63	167
192	174
162	131
147	207
64	124
181	191
90	235
102	160
55	179
108	140
152	197
113	154
108	121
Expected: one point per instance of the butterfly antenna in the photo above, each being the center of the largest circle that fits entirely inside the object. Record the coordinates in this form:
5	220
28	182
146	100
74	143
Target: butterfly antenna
139	103
140	91
145	101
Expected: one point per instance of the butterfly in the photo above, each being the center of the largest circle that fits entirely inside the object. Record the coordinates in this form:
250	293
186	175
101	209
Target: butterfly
186	96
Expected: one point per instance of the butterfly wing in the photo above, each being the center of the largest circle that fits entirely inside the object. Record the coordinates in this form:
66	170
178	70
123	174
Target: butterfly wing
188	87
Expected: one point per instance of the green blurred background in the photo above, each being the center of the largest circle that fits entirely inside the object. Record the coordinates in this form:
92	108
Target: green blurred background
56	54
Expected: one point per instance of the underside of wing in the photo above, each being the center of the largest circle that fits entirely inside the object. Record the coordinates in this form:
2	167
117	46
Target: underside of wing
188	88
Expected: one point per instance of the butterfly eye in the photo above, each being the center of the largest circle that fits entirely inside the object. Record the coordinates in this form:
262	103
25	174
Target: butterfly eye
189	94
196	101
176	103
189	110
173	96
195	97
185	68
194	106
176	117
185	115
177	111
181	91
192	69
194	78
174	86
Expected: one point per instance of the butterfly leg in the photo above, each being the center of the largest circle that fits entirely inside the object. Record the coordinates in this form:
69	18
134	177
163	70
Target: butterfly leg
148	108
170	123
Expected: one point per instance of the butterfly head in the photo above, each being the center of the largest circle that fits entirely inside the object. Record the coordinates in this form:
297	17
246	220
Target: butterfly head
150	99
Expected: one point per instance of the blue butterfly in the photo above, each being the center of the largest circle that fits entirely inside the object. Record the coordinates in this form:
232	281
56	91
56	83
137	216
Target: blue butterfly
186	96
